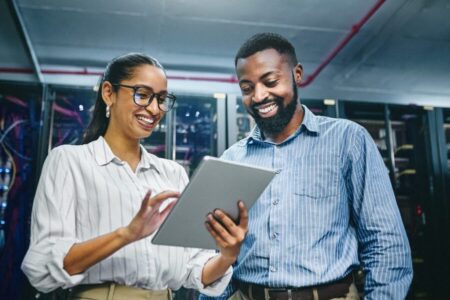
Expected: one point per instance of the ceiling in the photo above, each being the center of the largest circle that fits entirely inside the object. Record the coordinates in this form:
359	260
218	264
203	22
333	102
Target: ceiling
401	54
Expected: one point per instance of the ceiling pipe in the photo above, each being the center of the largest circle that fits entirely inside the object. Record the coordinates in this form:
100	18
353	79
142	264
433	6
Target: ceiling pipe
355	29
231	79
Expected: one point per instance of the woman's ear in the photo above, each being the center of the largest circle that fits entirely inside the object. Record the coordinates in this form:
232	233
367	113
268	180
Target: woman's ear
107	93
298	74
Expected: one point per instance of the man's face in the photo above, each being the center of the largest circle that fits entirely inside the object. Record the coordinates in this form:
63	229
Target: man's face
268	84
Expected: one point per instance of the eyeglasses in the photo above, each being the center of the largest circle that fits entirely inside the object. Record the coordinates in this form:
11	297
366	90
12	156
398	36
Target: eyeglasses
143	96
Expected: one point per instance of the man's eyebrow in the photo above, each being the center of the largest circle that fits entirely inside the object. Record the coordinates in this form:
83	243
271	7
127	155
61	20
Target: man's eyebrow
265	75
244	81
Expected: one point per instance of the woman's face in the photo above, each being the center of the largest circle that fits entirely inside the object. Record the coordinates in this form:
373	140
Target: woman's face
129	119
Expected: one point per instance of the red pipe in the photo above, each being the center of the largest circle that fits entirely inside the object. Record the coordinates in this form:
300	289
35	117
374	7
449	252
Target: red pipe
232	79
355	28
16	100
16	70
56	107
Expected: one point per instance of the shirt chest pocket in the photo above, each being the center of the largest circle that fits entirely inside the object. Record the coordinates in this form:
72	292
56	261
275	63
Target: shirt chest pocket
317	176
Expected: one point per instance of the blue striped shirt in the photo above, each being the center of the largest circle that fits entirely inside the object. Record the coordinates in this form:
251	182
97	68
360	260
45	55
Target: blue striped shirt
332	193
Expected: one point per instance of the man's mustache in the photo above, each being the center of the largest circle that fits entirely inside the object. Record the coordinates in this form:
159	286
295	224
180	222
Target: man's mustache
277	100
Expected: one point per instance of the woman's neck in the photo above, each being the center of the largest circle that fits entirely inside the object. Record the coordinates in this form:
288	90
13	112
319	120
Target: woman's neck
125	149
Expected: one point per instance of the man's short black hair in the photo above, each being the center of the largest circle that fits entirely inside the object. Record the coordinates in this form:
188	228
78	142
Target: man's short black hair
267	40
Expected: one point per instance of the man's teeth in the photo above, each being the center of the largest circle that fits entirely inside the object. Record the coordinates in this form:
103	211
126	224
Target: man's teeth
265	110
146	119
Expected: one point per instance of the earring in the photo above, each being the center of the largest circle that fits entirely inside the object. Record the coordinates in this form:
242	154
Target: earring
108	111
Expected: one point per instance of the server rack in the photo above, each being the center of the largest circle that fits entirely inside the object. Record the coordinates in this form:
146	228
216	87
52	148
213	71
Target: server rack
438	204
408	140
196	129
19	126
326	107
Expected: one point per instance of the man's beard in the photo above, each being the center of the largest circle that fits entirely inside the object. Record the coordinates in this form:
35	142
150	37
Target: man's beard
275	124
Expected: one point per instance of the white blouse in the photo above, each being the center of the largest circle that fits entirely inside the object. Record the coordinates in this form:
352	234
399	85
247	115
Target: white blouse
86	191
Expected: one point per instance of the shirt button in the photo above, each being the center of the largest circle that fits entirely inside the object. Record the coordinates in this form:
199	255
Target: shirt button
273	269
276	201
274	236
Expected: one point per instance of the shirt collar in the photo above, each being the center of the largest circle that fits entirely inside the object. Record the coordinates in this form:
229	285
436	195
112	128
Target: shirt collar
149	160
103	155
309	122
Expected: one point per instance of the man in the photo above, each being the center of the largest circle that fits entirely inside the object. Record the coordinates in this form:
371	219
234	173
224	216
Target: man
331	207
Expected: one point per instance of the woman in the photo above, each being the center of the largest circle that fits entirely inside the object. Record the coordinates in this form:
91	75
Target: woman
81	234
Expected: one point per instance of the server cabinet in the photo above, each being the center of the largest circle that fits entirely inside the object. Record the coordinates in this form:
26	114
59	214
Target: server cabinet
194	125
70	114
322	107
406	139
19	126
439	222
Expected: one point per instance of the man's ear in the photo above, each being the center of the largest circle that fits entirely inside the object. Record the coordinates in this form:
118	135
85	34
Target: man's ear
107	93
298	74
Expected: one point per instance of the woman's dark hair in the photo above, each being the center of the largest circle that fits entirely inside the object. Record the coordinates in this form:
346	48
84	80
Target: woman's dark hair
119	69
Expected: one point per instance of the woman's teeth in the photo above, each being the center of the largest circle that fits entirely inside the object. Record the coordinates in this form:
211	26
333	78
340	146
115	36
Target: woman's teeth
146	119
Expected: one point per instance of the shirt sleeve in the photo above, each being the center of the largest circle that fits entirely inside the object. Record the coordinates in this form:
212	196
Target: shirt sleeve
229	291
52	226
195	268
384	249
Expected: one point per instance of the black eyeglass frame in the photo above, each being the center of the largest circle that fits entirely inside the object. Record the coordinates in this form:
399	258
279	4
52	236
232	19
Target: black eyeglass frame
152	96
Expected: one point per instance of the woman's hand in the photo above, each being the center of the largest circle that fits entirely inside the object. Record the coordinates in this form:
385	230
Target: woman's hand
83	255
228	235
149	218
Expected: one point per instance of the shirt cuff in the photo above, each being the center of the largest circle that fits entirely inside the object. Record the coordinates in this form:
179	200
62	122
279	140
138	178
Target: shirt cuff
216	288
56	265
44	266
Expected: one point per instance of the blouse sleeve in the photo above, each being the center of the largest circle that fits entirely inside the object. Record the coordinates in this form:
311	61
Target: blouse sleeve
195	268
52	225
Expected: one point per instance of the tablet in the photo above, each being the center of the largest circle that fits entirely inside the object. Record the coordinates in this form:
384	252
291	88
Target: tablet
215	184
